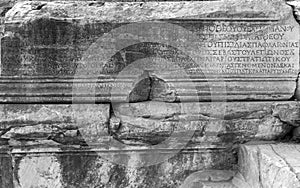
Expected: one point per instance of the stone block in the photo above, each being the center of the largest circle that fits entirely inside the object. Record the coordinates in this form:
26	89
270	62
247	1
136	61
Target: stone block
146	123
6	172
29	124
71	167
270	165
191	51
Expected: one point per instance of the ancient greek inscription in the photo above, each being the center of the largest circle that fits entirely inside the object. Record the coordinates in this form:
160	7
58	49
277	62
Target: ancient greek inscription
249	48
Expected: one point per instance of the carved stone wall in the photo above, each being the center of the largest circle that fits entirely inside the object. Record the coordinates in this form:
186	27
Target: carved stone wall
143	94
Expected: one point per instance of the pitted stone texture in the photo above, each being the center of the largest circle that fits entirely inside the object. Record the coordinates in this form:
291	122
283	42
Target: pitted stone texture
270	165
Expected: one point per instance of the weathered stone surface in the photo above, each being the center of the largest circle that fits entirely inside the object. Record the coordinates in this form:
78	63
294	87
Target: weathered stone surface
146	122
164	10
27	124
6	174
209	178
51	53
52	39
43	171
241	121
270	165
71	167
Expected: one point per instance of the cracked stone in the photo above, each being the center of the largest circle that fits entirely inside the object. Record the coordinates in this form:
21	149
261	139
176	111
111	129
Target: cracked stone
270	165
151	88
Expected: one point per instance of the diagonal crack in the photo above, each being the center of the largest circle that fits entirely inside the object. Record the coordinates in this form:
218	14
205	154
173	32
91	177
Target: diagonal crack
259	166
286	162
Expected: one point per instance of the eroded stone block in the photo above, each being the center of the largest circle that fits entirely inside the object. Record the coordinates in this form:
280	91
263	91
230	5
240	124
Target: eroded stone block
71	167
147	123
26	124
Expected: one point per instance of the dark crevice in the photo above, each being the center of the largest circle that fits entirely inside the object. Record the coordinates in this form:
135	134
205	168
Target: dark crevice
114	123
288	136
289	132
151	79
39	6
108	101
293	8
141	90
149	87
296	93
61	138
259	167
4	11
98	4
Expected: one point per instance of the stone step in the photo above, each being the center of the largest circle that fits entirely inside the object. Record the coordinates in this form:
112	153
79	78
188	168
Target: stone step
260	165
146	123
269	165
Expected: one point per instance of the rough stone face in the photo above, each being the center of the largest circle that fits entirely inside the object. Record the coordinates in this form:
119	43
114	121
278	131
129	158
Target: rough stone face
146	122
70	167
6	174
30	126
270	165
241	121
51	124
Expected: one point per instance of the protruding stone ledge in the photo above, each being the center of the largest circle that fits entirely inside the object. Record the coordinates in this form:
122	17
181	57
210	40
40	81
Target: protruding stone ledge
170	89
143	122
118	12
